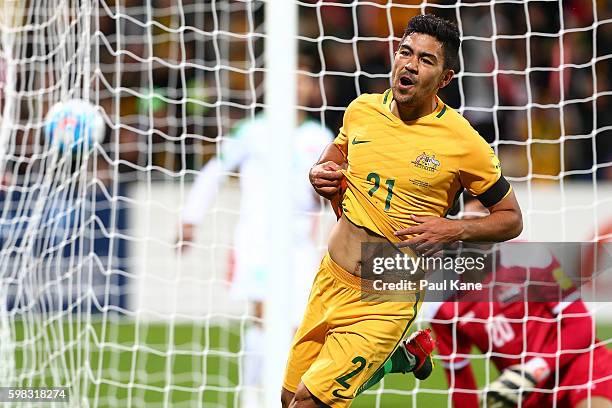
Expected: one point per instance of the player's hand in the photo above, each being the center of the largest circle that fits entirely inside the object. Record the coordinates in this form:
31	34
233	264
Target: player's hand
326	178
185	237
506	390
430	234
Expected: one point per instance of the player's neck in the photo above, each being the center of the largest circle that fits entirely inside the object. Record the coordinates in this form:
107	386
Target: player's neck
409	113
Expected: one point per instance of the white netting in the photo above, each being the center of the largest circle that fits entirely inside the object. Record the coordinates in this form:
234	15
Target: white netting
97	297
49	273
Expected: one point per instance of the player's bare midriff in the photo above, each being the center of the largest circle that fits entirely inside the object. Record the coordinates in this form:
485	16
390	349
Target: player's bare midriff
344	244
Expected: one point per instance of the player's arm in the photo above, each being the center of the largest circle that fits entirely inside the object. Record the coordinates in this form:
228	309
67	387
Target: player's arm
576	324
206	186
465	390
324	140
576	332
325	176
504	222
201	195
481	175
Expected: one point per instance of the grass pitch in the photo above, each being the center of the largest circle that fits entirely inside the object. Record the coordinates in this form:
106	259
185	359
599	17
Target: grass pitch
120	363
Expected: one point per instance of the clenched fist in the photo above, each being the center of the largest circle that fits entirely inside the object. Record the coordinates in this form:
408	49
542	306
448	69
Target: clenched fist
326	178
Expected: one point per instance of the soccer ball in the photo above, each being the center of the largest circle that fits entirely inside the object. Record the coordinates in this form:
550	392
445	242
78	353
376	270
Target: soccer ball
74	125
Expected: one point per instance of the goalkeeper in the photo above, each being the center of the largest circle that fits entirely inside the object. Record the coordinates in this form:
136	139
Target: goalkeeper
523	337
404	156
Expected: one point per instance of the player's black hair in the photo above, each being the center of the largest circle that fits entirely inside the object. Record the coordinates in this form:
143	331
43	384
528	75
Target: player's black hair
442	30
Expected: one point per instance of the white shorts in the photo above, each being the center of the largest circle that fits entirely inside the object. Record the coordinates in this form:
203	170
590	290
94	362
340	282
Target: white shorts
248	278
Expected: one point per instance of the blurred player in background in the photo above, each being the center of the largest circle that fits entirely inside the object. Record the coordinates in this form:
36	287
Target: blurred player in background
404	156
247	150
523	337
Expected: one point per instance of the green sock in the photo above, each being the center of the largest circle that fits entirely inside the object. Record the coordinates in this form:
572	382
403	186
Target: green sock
402	361
399	362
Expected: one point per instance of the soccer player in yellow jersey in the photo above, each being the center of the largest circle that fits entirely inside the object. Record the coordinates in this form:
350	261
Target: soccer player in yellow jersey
404	156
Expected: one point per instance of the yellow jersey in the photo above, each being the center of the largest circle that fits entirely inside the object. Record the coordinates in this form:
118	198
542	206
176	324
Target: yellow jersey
398	168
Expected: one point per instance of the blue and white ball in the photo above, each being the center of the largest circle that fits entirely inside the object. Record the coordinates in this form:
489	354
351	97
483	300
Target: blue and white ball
74	125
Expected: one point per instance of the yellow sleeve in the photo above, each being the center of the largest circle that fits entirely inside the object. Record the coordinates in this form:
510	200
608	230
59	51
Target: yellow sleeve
341	141
481	174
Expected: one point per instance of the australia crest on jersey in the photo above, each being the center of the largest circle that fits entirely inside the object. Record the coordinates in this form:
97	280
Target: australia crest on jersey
427	161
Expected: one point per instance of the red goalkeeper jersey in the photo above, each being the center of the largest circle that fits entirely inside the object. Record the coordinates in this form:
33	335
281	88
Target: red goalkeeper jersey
512	330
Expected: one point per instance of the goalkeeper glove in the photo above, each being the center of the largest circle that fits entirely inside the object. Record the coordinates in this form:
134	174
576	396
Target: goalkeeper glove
515	380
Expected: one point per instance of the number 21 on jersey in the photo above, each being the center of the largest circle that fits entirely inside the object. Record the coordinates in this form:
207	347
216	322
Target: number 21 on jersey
375	178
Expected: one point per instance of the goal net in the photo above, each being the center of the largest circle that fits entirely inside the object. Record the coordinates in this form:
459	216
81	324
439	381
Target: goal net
112	287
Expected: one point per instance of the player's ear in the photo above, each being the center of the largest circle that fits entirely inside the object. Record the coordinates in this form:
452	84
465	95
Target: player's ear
447	76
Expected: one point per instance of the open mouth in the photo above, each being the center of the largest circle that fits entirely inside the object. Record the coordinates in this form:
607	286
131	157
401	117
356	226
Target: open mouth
406	81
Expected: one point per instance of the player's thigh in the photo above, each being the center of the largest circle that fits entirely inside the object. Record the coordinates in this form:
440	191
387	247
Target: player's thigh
303	398
286	397
349	358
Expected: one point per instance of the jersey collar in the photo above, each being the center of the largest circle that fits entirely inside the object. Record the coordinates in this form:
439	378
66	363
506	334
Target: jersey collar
437	113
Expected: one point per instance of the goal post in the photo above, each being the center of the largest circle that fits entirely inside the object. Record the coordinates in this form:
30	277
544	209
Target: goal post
281	26
11	31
